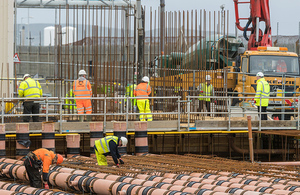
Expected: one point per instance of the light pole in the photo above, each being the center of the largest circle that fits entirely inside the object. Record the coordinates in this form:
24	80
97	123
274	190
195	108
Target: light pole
222	19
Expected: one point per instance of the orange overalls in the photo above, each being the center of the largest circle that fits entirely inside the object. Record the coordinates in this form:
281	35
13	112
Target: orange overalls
34	161
83	89
46	157
281	67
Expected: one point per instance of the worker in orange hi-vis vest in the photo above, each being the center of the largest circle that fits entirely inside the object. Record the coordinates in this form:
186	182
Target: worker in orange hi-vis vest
281	67
142	92
82	89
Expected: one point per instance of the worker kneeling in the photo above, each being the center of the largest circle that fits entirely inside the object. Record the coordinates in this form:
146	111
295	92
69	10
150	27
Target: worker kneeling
109	145
40	158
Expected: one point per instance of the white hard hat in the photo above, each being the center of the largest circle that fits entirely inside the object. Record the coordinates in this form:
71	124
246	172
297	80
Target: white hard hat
82	72
145	79
207	77
260	74
26	75
124	141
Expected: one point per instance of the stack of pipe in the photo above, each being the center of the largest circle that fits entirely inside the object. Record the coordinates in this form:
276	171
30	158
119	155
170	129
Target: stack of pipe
120	131
218	183
102	186
2	140
141	138
22	134
96	132
18	189
190	184
73	145
48	135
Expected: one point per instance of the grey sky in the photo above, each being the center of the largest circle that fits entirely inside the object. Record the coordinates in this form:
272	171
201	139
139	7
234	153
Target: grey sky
286	12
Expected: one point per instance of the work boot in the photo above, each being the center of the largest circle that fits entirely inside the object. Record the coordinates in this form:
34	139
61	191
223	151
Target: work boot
81	118
88	118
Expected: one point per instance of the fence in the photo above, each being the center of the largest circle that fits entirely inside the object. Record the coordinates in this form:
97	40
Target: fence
52	108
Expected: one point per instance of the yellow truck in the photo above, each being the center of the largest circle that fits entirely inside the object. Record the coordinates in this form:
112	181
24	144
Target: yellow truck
232	74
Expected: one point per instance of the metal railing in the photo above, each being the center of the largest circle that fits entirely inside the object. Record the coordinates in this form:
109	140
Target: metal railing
183	108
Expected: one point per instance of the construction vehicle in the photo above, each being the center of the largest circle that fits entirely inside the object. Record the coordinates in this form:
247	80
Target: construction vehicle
280	67
233	70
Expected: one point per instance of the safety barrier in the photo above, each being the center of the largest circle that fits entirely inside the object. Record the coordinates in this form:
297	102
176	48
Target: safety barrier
185	109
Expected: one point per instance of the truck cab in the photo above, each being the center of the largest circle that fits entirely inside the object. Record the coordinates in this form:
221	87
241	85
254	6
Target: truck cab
281	70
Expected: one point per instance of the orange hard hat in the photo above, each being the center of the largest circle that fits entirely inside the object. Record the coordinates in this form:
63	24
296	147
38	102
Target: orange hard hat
60	159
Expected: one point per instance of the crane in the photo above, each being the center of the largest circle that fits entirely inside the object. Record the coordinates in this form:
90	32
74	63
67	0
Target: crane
259	12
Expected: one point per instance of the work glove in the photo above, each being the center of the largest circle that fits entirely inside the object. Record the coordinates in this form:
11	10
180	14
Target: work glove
46	186
121	161
201	91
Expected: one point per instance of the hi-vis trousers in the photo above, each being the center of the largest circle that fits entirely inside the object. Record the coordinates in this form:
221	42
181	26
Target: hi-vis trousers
144	107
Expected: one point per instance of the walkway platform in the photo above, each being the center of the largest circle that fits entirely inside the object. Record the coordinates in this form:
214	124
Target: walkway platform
166	126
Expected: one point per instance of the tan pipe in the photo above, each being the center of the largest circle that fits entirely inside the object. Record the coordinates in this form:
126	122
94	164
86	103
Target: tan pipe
13	187
141	138
73	145
7	192
2	140
22	133
123	192
120	131
96	132
13	161
156	178
5	171
58	179
250	139
188	178
14	171
158	182
178	185
48	135
230	182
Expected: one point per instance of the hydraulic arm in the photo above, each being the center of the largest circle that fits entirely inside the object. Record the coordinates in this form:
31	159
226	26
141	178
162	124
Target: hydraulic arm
259	12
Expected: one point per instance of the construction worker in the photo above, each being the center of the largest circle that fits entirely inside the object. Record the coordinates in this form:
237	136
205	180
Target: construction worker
129	93
206	89
30	89
262	93
142	92
281	66
83	89
40	158
70	94
109	145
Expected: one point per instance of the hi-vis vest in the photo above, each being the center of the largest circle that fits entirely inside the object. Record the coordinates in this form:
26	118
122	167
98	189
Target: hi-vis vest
82	89
207	91
263	91
142	91
30	89
102	145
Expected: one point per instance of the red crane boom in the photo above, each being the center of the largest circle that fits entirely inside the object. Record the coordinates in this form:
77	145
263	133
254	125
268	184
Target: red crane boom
259	12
